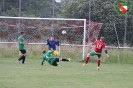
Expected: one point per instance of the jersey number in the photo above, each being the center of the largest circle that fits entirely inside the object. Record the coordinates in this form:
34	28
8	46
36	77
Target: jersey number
99	46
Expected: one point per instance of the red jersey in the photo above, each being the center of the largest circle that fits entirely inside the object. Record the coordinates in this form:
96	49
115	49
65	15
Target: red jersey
99	45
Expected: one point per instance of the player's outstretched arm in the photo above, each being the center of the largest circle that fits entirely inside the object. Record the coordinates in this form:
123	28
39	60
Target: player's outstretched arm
105	50
47	43
58	43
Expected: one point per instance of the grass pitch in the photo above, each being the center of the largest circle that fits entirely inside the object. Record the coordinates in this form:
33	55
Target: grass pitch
68	75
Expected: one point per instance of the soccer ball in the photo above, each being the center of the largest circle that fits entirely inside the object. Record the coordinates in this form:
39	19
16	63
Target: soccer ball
58	1
63	32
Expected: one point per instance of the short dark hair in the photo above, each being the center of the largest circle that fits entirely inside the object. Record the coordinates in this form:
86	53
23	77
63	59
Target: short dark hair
22	32
44	51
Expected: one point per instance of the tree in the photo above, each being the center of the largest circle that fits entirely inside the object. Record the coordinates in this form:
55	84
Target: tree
32	8
101	11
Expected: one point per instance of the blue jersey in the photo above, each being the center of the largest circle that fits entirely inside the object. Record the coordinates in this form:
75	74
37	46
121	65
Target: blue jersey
52	44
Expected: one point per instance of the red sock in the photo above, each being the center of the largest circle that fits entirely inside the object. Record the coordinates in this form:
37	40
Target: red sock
87	59
98	62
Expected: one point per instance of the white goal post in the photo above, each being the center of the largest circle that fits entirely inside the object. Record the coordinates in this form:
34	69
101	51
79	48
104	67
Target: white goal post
38	31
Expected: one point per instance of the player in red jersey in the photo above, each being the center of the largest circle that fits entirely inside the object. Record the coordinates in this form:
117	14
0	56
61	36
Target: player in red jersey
99	45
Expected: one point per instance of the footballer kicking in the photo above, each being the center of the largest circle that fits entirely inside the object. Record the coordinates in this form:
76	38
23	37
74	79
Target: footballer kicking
99	45
50	59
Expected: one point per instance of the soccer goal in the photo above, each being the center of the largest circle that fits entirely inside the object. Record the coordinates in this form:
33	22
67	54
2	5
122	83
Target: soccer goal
38	30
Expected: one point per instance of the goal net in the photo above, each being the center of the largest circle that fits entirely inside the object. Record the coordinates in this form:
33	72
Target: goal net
38	30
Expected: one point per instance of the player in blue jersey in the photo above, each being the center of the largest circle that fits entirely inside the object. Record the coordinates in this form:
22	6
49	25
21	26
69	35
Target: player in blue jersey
52	45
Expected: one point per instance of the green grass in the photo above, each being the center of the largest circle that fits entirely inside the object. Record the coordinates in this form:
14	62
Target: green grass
68	75
123	56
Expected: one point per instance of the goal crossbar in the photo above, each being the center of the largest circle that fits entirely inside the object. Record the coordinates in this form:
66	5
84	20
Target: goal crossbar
34	18
52	19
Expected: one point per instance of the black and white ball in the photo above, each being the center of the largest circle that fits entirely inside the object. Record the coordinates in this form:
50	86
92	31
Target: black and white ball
64	32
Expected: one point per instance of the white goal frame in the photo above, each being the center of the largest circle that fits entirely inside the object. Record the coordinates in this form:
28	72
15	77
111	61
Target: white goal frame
84	32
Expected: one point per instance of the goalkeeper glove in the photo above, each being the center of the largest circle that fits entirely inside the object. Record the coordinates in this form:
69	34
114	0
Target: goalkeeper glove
105	51
58	43
48	42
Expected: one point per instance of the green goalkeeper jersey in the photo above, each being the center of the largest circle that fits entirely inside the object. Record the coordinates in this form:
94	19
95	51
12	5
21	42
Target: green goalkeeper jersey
21	46
47	56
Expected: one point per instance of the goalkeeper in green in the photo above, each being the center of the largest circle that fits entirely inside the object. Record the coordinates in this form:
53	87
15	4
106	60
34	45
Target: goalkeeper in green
51	60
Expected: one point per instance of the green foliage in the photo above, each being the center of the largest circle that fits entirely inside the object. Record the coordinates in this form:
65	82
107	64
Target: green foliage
74	9
12	12
30	8
101	11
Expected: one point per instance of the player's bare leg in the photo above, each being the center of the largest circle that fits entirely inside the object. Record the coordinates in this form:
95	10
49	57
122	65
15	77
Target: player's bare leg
98	63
